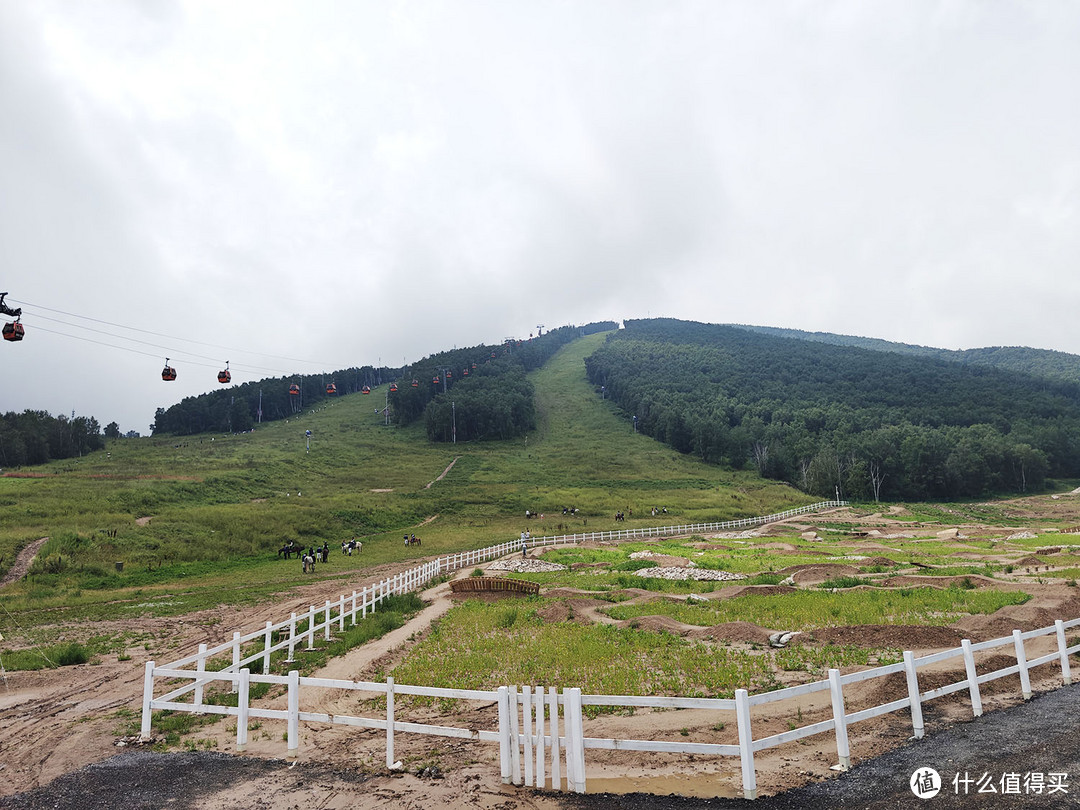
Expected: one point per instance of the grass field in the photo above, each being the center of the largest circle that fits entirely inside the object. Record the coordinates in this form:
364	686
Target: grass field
195	521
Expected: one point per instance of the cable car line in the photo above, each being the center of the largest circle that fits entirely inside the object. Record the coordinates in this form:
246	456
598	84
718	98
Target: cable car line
170	337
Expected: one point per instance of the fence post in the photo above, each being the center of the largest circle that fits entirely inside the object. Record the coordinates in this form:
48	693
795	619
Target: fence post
326	621
200	668
556	768
242	710
515	740
311	627
353	614
1021	660
341	614
746	743
235	655
913	694
575	741
292	637
504	734
269	635
293	734
843	749
389	722
538	705
147	699
972	678
526	732
1063	654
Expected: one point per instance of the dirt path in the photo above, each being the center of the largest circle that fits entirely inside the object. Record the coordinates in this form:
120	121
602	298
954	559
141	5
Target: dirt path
23	561
442	475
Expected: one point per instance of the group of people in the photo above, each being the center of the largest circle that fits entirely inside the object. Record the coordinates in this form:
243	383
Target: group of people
349	546
309	558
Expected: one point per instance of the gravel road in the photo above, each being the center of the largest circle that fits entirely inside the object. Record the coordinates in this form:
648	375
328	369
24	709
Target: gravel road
1036	739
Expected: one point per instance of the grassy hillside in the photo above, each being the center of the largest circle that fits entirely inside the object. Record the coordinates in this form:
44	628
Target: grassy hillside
220	505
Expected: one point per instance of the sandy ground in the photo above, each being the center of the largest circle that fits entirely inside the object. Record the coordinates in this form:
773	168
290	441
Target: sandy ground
57	721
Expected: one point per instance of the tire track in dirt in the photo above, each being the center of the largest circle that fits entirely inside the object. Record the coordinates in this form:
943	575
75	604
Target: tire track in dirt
23	561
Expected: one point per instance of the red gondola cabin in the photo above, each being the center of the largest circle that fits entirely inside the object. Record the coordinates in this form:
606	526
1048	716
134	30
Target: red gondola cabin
331	389
294	390
13	331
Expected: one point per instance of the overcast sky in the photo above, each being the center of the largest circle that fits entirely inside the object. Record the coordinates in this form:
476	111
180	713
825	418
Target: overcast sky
344	183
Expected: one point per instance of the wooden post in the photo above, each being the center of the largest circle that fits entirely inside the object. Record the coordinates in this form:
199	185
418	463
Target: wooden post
843	749
972	678
242	710
311	627
914	695
1021	660
575	741
292	637
746	743
515	748
326	621
526	732
504	734
200	668
341	614
235	655
269	634
1063	654
293	734
389	721
353	613
147	699
556	768
538	705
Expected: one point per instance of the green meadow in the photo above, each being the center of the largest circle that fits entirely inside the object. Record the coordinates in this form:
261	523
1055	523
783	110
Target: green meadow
166	525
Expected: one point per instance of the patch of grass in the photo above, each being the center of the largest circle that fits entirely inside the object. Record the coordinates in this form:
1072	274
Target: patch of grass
64	654
807	610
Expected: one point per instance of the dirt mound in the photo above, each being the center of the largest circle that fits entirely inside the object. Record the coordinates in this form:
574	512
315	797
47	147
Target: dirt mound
659	624
878	561
1029	560
756	590
744	632
896	636
818	572
916	581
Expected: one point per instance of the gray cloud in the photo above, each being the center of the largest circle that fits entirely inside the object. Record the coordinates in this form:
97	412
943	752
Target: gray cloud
350	182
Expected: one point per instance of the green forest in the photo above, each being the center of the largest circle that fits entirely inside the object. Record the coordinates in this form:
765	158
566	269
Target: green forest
841	420
835	416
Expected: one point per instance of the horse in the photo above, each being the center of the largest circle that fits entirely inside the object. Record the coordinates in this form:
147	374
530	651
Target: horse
288	550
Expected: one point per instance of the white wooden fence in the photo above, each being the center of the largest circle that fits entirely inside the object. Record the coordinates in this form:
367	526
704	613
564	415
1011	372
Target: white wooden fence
535	751
361	603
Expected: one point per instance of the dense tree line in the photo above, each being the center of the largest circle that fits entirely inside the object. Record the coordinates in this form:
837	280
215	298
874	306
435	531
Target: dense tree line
488	409
494	400
839	419
34	437
1041	362
236	408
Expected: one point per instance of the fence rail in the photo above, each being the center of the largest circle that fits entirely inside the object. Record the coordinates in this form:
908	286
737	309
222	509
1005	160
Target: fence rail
535	751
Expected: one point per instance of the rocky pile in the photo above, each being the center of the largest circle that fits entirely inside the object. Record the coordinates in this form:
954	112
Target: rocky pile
525	565
688	573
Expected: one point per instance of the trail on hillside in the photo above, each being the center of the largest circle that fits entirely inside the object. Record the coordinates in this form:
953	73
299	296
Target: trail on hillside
23	560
